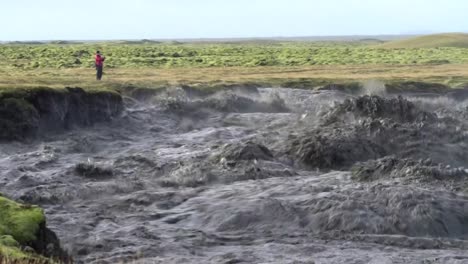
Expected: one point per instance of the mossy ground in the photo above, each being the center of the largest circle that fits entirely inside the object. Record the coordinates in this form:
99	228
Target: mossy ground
20	221
240	54
19	225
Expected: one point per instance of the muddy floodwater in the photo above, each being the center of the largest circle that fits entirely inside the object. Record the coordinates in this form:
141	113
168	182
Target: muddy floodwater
264	176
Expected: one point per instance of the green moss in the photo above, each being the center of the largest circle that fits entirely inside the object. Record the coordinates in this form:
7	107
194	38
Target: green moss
19	221
18	225
9	241
247	54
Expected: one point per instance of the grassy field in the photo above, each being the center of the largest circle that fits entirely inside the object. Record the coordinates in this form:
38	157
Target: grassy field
310	76
154	64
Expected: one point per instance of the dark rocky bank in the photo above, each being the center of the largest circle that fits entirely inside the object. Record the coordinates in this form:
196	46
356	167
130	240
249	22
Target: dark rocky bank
27	113
30	113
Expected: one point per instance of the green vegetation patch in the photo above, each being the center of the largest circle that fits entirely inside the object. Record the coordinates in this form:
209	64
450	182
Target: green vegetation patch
19	225
8	241
20	222
14	255
186	55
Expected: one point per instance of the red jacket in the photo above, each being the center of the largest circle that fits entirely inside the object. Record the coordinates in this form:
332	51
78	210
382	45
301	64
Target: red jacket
99	60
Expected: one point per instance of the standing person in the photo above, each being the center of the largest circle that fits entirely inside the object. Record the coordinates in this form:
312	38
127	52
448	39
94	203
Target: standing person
99	65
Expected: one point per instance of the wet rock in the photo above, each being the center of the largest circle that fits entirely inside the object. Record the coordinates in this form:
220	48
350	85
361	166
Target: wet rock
48	244
92	170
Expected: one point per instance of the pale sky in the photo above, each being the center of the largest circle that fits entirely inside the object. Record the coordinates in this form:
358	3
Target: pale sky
157	19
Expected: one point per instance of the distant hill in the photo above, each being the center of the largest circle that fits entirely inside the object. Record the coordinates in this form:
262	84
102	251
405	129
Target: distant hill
459	40
371	41
23	42
143	41
64	42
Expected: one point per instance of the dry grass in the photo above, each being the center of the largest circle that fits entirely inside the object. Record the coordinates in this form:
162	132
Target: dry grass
6	260
450	74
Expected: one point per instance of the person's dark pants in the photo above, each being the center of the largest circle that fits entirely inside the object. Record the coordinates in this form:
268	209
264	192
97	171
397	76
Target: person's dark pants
98	72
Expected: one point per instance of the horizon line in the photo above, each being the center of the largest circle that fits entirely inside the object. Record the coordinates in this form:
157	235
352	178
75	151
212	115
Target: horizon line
318	37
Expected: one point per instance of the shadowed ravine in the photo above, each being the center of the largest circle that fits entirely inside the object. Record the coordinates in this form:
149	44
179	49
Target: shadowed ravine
274	176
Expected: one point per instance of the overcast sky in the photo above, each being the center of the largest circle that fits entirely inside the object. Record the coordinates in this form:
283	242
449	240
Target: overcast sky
155	19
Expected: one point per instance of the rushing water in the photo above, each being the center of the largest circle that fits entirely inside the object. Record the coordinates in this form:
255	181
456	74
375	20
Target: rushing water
187	180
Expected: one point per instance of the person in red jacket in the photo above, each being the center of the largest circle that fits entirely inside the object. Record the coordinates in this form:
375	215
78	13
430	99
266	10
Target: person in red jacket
99	65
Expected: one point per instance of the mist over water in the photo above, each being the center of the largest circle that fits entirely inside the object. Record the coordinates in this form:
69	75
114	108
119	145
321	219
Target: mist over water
259	176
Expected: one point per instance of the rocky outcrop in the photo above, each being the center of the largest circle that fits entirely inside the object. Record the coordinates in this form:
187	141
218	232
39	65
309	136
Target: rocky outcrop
29	112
